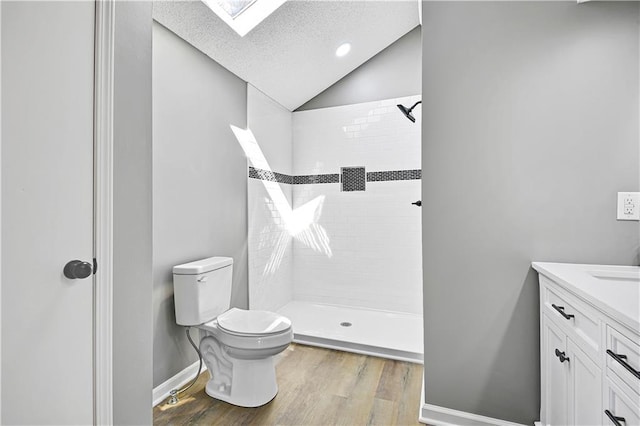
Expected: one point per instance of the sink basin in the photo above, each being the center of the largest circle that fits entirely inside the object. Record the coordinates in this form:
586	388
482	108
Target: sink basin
604	274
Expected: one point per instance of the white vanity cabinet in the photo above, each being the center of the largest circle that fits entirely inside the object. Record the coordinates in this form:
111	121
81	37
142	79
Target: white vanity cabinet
572	380
590	344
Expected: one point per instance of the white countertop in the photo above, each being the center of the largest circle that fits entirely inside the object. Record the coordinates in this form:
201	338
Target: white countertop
615	290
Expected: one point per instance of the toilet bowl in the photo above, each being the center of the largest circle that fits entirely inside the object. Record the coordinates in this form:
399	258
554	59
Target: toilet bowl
238	346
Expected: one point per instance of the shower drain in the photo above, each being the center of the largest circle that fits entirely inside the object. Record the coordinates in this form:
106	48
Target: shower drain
346	324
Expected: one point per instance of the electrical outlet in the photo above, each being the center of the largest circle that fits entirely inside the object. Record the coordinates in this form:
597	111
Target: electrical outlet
628	205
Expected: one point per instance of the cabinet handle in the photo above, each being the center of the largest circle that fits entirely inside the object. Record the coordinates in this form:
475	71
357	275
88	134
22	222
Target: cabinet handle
614	419
621	360
560	310
561	356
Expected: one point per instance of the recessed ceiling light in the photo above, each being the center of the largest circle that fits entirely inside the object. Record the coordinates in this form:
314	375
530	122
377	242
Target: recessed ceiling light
343	49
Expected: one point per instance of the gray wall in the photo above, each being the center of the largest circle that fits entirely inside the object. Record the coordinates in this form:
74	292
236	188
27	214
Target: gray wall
132	239
392	73
199	182
530	127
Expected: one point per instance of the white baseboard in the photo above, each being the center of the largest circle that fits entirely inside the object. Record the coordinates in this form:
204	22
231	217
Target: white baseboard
441	416
421	418
161	392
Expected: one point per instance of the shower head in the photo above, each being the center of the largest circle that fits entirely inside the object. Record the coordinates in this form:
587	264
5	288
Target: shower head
407	111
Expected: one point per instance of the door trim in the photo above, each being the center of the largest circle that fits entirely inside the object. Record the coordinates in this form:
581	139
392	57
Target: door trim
0	212
103	211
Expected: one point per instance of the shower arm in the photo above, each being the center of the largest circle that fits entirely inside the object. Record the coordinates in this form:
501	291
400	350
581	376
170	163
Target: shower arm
414	105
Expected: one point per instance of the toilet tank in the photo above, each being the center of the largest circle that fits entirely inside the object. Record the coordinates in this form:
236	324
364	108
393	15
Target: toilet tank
202	289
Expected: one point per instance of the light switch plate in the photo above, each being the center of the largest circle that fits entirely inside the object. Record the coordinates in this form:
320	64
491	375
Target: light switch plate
628	205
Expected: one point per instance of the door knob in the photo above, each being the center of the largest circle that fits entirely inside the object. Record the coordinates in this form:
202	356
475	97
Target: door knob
77	269
417	203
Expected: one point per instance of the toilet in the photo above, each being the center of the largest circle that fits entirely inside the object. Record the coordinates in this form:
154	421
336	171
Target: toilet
237	346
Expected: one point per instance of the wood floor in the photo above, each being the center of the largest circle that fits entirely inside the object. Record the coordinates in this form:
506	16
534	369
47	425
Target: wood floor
316	387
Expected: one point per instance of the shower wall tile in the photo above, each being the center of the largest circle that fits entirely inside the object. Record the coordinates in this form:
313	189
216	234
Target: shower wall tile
363	248
271	124
270	245
371	134
374	240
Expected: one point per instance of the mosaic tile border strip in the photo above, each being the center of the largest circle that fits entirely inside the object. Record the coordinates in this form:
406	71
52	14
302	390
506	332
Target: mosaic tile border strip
311	179
382	176
268	175
394	175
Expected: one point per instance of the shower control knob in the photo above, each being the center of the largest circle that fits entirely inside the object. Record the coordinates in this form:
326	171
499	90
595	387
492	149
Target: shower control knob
77	269
417	203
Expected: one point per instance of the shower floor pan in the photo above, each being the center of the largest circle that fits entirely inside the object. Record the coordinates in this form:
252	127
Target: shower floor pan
392	335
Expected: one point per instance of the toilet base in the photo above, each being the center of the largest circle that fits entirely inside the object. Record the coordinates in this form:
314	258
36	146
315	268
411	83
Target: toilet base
253	383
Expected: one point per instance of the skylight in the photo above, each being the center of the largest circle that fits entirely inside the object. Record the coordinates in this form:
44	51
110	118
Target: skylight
243	15
235	7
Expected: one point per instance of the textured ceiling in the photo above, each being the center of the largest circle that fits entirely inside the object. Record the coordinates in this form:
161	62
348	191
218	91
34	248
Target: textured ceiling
290	56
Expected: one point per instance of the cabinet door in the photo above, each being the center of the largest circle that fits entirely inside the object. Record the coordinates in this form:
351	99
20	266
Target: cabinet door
555	375
585	388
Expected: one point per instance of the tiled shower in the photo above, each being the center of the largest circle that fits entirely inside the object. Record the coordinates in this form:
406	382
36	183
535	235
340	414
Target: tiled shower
335	242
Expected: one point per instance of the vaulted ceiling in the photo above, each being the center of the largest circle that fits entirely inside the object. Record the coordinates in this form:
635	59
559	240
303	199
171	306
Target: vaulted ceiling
290	56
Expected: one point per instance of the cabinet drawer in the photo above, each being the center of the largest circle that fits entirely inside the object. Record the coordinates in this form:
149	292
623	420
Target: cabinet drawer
581	321
623	358
619	405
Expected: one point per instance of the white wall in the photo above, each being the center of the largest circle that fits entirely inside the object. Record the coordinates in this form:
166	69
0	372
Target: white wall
371	256
270	243
271	124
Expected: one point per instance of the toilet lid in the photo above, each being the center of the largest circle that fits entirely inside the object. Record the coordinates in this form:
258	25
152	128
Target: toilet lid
240	321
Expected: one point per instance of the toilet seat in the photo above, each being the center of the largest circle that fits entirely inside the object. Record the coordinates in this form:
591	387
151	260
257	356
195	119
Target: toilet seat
240	322
276	331
250	330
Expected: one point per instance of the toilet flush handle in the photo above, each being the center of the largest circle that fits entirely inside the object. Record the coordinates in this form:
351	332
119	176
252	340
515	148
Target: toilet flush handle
202	279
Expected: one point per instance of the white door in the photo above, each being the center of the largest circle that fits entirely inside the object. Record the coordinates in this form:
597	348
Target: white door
47	211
